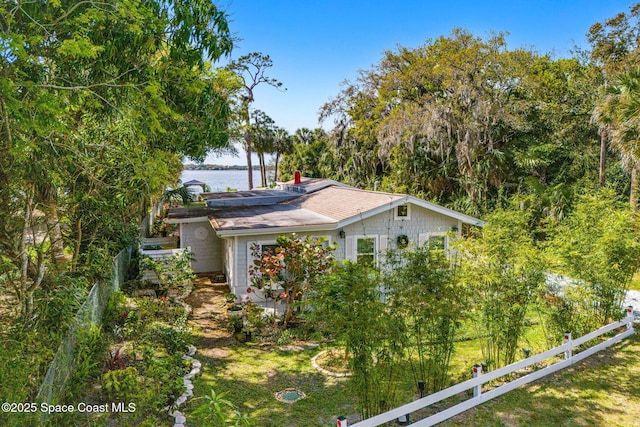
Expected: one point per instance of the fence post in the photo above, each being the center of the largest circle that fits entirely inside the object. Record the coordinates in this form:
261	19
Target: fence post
629	317
568	354
477	371
342	422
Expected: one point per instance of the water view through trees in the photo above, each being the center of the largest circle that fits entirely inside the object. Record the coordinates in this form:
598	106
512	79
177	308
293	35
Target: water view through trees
220	180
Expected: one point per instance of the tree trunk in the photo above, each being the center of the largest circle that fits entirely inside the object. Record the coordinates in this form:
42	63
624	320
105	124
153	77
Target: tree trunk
275	167
633	196
54	233
76	252
5	119
603	156
263	170
247	147
24	262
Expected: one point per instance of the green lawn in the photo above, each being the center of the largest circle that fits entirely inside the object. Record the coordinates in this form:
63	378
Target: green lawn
603	390
254	374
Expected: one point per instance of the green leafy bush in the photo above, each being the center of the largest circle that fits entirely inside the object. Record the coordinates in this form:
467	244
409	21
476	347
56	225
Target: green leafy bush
172	339
90	351
599	244
57	302
218	411
121	385
423	289
115	313
505	271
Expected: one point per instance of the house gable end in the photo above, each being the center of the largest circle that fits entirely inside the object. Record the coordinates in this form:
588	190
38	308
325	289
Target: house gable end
412	201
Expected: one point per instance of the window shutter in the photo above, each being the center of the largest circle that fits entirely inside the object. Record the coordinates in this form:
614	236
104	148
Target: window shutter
384	239
349	248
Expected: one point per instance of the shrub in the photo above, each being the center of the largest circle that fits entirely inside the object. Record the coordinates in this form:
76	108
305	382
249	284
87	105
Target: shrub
599	245
217	411
172	339
90	350
422	287
506	271
121	385
57	302
115	312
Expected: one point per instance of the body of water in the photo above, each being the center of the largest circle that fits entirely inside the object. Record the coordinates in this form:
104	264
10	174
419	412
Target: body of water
222	180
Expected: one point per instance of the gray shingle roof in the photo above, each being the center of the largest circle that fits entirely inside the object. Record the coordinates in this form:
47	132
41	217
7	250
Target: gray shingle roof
316	203
343	202
269	216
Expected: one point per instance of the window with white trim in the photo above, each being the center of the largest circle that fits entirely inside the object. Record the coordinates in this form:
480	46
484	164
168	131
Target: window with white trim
438	242
402	212
436	239
366	250
269	247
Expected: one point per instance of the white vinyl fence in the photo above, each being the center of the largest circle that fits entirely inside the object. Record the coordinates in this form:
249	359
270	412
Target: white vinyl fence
403	412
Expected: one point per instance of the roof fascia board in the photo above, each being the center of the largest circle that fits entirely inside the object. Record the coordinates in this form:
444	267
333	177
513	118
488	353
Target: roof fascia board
275	230
446	211
372	212
186	220
415	201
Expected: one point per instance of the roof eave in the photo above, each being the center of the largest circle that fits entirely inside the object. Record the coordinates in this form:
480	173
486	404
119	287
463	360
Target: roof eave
275	230
413	200
186	220
466	219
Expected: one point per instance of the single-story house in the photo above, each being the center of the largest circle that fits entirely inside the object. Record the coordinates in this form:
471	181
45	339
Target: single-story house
362	223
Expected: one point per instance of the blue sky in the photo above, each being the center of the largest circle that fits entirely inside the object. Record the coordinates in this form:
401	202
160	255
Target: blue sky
316	45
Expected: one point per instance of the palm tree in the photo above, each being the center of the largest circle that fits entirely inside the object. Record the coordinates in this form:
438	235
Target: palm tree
619	114
304	136
262	134
282	145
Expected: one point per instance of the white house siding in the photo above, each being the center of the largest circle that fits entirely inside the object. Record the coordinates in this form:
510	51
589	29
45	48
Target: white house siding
206	247
241	280
387	229
383	227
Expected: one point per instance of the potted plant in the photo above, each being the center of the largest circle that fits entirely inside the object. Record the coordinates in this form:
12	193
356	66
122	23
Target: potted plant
233	307
236	323
254	320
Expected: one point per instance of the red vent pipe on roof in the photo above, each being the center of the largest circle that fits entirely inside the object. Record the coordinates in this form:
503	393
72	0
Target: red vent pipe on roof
297	178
